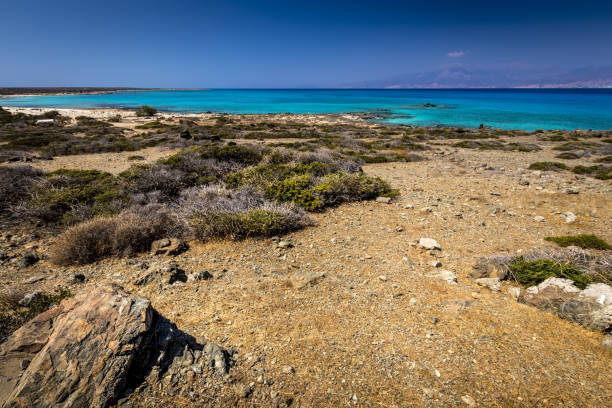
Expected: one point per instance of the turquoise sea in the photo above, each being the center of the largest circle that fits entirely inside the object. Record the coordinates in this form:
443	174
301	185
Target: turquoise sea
526	109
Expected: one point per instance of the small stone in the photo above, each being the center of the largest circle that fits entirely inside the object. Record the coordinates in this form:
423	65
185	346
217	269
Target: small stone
444	275
495	193
515	292
413	302
429	244
409	207
569	217
571	191
78	278
382	278
287	370
285	244
468	400
29	298
538	218
429	393
244	391
28	259
436	264
199	276
607	342
384	200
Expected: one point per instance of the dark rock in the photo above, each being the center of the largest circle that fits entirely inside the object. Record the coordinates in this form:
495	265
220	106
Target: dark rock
201	275
177	275
185	134
78	278
93	349
28	259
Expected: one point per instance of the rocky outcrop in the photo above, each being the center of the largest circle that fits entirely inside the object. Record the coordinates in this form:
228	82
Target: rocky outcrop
591	307
90	349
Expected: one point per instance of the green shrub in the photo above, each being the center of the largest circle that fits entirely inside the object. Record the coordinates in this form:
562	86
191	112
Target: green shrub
337	188
597	171
585	169
296	190
246	155
72	195
146	111
531	273
151	125
567	156
582	241
548	166
263	175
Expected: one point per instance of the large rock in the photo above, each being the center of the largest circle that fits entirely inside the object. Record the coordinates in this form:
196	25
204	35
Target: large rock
169	246
88	350
591	307
487	268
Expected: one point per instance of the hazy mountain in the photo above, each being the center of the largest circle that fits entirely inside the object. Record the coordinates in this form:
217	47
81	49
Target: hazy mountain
461	76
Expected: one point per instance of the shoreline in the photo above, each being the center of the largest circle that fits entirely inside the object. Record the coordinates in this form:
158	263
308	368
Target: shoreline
364	118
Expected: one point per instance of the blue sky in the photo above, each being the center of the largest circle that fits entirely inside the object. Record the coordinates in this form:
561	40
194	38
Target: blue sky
290	43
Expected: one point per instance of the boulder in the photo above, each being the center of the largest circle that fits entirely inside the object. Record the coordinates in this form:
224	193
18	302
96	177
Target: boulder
591	307
169	246
487	268
87	351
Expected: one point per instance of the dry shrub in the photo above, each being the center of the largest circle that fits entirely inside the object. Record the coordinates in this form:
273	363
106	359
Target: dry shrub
215	211
125	234
15	184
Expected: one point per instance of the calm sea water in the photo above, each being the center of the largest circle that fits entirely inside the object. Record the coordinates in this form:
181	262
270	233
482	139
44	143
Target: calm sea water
508	109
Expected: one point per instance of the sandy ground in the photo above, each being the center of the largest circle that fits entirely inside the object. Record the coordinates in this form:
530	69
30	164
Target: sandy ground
374	330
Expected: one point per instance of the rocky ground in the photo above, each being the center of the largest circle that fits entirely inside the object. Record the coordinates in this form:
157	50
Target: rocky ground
352	312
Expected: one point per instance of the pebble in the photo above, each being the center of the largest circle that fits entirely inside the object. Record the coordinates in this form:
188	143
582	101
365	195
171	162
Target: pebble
429	244
384	200
468	400
538	218
569	217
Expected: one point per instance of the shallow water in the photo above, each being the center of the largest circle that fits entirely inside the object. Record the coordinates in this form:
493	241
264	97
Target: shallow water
527	109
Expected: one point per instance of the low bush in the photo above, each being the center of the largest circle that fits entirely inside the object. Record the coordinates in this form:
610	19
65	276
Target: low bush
567	156
215	211
70	196
341	187
583	241
597	171
531	273
548	166
297	190
16	182
125	234
146	111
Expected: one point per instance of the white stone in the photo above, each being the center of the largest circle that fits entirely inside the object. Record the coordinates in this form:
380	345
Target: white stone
565	285
491	283
444	275
569	217
429	243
